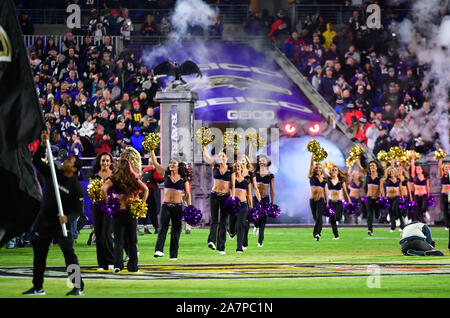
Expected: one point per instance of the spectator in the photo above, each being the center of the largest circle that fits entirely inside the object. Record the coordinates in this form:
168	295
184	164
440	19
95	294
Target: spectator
326	86
114	23
126	27
292	48
102	141
26	24
215	30
253	25
136	139
328	35
352	115
69	42
165	27
149	27
383	142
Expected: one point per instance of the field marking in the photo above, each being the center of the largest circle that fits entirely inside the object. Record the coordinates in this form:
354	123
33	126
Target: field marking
241	271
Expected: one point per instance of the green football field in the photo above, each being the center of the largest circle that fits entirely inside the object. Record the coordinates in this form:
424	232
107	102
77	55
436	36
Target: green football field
291	264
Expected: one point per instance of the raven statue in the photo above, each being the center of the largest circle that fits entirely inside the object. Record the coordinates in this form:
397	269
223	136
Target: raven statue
177	70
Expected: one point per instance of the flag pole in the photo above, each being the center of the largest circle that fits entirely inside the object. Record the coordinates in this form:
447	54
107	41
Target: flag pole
55	184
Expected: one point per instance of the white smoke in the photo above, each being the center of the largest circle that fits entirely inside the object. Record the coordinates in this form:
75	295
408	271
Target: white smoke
429	40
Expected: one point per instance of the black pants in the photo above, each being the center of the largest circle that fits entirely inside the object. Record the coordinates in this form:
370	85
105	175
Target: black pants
152	214
372	210
416	245
338	208
394	212
125	226
261	222
103	229
218	230
421	208
41	238
317	208
241	223
444	208
169	214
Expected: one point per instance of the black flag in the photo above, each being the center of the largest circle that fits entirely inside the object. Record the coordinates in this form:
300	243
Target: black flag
21	122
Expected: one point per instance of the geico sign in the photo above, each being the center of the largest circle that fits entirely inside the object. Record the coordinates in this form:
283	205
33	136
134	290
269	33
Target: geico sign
250	114
251	100
238	68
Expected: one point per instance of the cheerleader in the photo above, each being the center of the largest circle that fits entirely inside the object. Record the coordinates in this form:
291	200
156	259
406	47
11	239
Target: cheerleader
175	182
319	199
405	191
265	185
421	190
445	188
243	191
247	172
356	191
374	189
103	169
126	185
392	184
337	192
223	176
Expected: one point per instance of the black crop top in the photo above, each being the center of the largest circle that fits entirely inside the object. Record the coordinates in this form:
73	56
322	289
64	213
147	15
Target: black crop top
444	180
243	185
218	176
314	182
264	180
419	182
375	181
337	186
390	183
168	184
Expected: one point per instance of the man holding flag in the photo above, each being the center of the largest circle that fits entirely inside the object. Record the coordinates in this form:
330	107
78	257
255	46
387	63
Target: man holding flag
21	123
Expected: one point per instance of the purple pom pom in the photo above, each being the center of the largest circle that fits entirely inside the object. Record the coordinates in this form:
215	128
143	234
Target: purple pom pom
232	206
363	199
431	201
383	203
350	208
111	207
191	215
411	206
328	211
263	208
274	211
252	215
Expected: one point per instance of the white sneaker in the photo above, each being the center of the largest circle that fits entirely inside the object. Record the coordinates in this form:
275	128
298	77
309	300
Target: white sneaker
222	252
400	230
260	245
317	237
239	252
116	270
100	269
158	254
110	267
173	259
244	248
446	228
336	238
211	245
391	231
255	230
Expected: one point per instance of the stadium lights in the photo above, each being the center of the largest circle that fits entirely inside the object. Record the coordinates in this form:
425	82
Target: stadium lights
314	129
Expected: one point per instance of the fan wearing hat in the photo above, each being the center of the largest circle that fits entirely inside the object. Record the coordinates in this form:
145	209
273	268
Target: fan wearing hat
384	141
352	112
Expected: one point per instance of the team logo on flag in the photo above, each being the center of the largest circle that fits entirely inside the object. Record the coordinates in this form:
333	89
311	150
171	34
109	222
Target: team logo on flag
5	46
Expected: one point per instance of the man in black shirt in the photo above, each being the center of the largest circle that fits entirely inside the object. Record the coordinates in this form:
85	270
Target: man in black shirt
47	226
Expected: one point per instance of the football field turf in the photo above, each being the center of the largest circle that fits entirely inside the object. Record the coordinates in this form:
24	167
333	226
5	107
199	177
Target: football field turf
291	264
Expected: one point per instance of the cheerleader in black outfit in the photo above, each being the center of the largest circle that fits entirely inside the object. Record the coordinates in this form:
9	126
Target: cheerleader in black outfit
405	192
392	184
265	181
175	182
374	189
248	173
126	184
337	192
356	192
243	191
223	182
103	169
319	199
421	191
445	188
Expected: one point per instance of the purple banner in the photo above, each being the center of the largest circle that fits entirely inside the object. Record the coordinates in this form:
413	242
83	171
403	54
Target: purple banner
238	83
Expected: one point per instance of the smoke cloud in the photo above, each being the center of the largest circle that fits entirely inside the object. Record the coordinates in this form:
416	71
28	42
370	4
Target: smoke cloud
427	35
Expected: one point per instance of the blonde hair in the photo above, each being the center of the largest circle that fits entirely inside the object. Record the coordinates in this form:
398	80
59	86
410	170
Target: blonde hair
134	158
389	169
